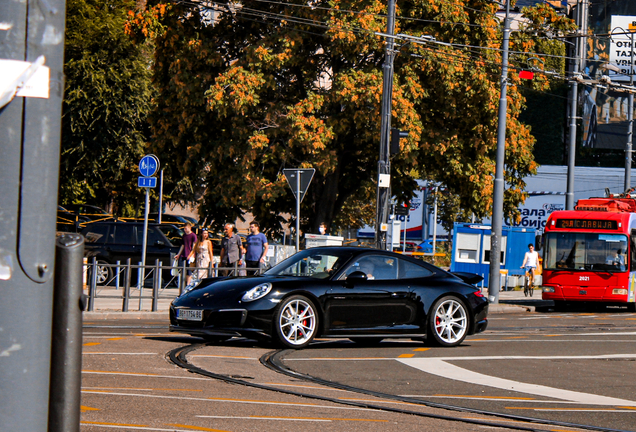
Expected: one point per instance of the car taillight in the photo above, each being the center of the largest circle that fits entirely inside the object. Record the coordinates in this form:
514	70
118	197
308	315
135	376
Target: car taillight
479	294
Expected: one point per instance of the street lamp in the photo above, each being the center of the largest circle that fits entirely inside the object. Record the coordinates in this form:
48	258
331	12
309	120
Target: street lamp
498	189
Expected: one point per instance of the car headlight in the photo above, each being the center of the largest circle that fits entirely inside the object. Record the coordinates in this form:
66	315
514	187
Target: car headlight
257	292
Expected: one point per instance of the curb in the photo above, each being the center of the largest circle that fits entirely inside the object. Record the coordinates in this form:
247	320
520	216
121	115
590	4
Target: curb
508	308
114	315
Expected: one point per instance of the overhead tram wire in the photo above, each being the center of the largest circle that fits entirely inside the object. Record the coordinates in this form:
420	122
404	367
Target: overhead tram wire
403	18
297	20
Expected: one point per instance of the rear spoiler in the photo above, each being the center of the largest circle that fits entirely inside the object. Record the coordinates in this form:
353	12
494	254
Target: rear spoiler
470	278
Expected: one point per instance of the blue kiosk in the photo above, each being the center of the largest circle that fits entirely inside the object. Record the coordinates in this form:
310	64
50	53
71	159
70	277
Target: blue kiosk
471	248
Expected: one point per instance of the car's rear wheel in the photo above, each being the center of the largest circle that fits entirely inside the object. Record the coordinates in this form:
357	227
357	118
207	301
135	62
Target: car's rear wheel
448	322
296	322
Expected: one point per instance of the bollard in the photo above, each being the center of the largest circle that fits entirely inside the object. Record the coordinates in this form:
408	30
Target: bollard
183	277
91	288
117	277
124	307
155	287
66	348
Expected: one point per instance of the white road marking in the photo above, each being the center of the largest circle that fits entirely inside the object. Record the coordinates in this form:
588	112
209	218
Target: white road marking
237	401
439	366
117	353
264	418
145	428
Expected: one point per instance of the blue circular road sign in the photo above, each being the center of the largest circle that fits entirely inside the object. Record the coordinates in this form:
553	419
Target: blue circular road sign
148	165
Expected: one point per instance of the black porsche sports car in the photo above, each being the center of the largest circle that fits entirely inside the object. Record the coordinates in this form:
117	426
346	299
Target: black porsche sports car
362	294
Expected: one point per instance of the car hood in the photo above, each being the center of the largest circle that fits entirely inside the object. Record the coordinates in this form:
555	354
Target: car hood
213	290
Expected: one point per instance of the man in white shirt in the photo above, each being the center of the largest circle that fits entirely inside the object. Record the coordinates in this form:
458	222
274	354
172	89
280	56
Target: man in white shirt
530	260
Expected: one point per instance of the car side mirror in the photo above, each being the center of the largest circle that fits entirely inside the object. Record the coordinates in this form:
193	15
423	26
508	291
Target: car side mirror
354	277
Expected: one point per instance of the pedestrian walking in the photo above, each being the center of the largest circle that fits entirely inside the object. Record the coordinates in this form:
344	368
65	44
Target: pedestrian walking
186	251
231	249
256	246
203	250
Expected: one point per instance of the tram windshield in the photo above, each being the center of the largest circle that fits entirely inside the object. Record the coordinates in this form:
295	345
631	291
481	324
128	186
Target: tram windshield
585	251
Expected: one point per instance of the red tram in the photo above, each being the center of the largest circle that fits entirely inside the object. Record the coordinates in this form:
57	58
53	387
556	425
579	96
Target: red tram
590	253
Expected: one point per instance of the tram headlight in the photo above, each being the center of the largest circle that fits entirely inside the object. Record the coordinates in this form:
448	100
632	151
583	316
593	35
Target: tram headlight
547	289
619	291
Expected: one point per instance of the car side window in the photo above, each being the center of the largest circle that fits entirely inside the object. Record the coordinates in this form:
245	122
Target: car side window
408	270
121	234
154	237
376	267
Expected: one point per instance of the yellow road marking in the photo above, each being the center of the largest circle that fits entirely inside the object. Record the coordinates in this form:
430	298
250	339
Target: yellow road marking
406	355
91	343
85	408
195	427
421	349
113	424
631	408
473	340
115	339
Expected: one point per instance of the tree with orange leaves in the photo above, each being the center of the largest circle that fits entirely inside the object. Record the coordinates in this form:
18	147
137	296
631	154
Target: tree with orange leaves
248	89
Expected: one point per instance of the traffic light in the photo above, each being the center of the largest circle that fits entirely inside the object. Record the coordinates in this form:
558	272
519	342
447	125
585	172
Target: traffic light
396	134
402	209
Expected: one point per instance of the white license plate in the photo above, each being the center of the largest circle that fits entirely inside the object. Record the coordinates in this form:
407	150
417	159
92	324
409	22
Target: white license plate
190	314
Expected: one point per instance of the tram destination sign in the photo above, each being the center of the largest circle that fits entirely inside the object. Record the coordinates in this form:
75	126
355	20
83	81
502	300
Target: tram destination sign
587	224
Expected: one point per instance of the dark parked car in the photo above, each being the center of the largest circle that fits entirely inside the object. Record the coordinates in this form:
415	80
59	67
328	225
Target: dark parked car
357	293
110	242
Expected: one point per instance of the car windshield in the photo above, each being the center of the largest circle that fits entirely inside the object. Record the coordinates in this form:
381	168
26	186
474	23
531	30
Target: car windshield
312	263
585	251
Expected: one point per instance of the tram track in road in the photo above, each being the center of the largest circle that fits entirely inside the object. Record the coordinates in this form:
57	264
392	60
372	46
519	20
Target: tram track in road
273	361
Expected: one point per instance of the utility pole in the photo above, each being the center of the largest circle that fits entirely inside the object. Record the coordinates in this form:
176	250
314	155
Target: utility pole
384	162
494	282
630	119
574	91
33	33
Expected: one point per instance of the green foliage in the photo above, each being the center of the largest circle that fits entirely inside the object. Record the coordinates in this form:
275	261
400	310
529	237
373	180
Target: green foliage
106	103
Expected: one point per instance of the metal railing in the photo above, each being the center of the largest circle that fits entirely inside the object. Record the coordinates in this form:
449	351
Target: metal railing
134	282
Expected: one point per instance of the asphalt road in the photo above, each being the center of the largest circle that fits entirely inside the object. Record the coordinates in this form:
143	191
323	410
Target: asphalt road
571	368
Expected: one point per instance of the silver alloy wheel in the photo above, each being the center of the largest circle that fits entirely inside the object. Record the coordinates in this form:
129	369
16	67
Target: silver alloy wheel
297	322
103	273
450	322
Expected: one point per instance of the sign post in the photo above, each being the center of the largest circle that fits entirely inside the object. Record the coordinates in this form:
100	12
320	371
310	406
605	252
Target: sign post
148	167
298	180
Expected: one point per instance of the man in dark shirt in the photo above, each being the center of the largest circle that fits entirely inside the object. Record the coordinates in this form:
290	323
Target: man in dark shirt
231	249
186	252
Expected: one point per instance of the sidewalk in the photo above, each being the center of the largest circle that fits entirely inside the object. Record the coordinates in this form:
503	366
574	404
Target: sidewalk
109	301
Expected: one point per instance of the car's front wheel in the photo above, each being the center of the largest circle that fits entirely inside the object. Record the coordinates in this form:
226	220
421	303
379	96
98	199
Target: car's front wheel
448	322
296	322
